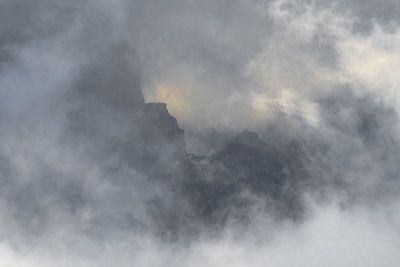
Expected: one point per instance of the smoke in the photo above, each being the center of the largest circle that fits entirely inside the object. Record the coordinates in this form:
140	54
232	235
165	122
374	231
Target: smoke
283	152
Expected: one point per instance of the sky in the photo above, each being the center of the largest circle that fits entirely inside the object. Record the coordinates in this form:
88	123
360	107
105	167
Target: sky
199	133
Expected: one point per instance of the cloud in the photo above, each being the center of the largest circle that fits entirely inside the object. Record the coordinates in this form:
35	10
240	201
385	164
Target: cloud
332	236
277	103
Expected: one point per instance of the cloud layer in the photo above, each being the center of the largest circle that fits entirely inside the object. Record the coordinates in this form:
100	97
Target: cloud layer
289	150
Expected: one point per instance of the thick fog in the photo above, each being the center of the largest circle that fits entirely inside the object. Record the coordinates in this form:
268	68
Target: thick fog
199	133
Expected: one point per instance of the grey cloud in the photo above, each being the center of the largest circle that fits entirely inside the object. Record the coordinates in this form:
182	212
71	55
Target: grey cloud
85	163
369	12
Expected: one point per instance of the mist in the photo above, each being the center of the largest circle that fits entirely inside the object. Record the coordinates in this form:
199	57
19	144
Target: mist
199	133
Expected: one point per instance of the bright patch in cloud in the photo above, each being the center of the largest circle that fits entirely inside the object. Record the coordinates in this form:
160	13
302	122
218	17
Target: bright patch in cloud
176	99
